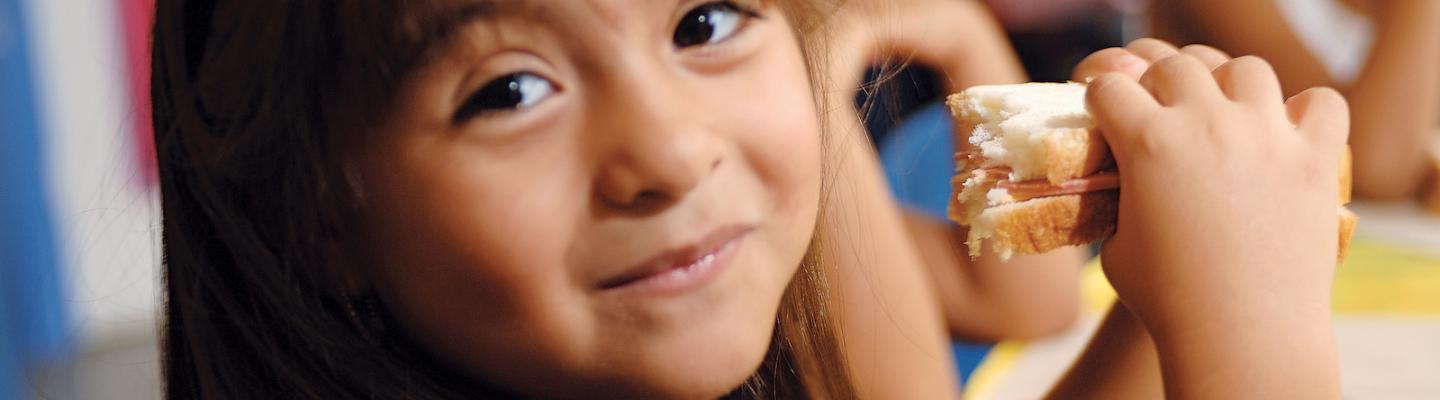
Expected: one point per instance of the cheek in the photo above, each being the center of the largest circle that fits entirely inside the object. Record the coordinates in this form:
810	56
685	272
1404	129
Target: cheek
780	135
464	265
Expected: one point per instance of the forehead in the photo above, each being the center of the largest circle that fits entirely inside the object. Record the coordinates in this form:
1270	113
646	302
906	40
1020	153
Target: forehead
443	19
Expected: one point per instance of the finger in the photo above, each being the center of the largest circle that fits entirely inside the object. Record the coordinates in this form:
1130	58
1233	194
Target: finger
1113	59
1249	79
1180	78
1210	56
1320	113
1152	50
1119	105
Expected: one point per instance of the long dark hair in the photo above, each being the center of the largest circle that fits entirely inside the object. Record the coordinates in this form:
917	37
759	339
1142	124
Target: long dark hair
255	103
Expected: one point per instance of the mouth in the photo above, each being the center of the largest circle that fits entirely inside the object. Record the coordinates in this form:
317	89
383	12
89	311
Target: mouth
683	267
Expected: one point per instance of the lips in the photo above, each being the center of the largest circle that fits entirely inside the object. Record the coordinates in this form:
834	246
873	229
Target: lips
682	266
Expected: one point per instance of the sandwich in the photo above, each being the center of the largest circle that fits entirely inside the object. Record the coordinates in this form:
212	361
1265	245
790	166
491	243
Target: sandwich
1035	174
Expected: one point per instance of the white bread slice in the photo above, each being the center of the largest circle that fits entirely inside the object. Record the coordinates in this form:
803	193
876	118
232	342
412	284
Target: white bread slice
1039	130
1043	131
1039	225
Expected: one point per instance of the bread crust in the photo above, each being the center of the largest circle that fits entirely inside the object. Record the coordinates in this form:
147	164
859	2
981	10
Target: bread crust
1039	225
1074	153
1042	224
1347	231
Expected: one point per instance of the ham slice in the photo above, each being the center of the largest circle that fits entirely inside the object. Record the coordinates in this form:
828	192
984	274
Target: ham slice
1021	191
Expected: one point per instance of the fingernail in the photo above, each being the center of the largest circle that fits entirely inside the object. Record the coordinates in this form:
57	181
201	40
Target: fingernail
1133	65
1098	82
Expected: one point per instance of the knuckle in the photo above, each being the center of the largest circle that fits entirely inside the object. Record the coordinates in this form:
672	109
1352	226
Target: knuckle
1149	43
1200	48
1172	68
1327	103
1177	63
1098	63
1327	97
1250	65
1111	51
1147	142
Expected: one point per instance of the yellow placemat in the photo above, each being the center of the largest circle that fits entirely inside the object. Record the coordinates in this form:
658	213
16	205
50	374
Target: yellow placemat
1380	279
1376	279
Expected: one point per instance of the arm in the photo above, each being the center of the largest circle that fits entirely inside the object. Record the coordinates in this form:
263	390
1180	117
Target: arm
984	299
1122	361
1243	312
890	322
1387	132
1119	363
991	300
1395	102
988	299
1253	351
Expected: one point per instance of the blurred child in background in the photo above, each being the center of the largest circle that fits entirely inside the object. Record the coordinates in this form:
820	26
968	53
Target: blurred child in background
1384	55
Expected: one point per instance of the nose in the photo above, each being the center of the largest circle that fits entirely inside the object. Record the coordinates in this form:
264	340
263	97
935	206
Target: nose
654	147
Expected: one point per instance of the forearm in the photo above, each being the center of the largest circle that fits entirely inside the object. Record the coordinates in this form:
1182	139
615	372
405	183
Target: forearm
1119	363
1256	357
990	300
987	299
1262	356
1395	102
890	321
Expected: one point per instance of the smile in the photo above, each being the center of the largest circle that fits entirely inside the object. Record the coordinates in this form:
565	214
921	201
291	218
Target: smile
683	268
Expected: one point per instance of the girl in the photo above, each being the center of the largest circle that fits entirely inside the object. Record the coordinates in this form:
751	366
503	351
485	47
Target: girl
451	199
421	199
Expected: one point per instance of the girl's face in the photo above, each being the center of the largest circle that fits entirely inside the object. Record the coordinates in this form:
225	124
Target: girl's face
599	196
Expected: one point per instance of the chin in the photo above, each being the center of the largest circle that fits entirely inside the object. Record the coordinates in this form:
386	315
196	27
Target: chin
712	364
708	358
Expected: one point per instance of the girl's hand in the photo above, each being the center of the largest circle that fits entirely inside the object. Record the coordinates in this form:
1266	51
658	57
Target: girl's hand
1225	245
957	38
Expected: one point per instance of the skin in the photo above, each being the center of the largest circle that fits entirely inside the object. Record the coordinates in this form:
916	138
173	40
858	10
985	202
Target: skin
905	281
1260	324
1395	101
491	261
985	299
1244	312
498	230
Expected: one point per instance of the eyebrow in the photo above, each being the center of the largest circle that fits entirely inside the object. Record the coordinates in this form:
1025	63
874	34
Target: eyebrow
441	24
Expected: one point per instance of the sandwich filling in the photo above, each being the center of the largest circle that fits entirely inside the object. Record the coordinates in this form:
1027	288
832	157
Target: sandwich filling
1026	142
1031	145
1000	189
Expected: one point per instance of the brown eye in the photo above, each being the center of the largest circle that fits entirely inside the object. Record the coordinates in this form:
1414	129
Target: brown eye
709	23
509	92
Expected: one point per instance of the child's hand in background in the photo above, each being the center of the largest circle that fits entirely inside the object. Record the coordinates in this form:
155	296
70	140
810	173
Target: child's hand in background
1225	245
